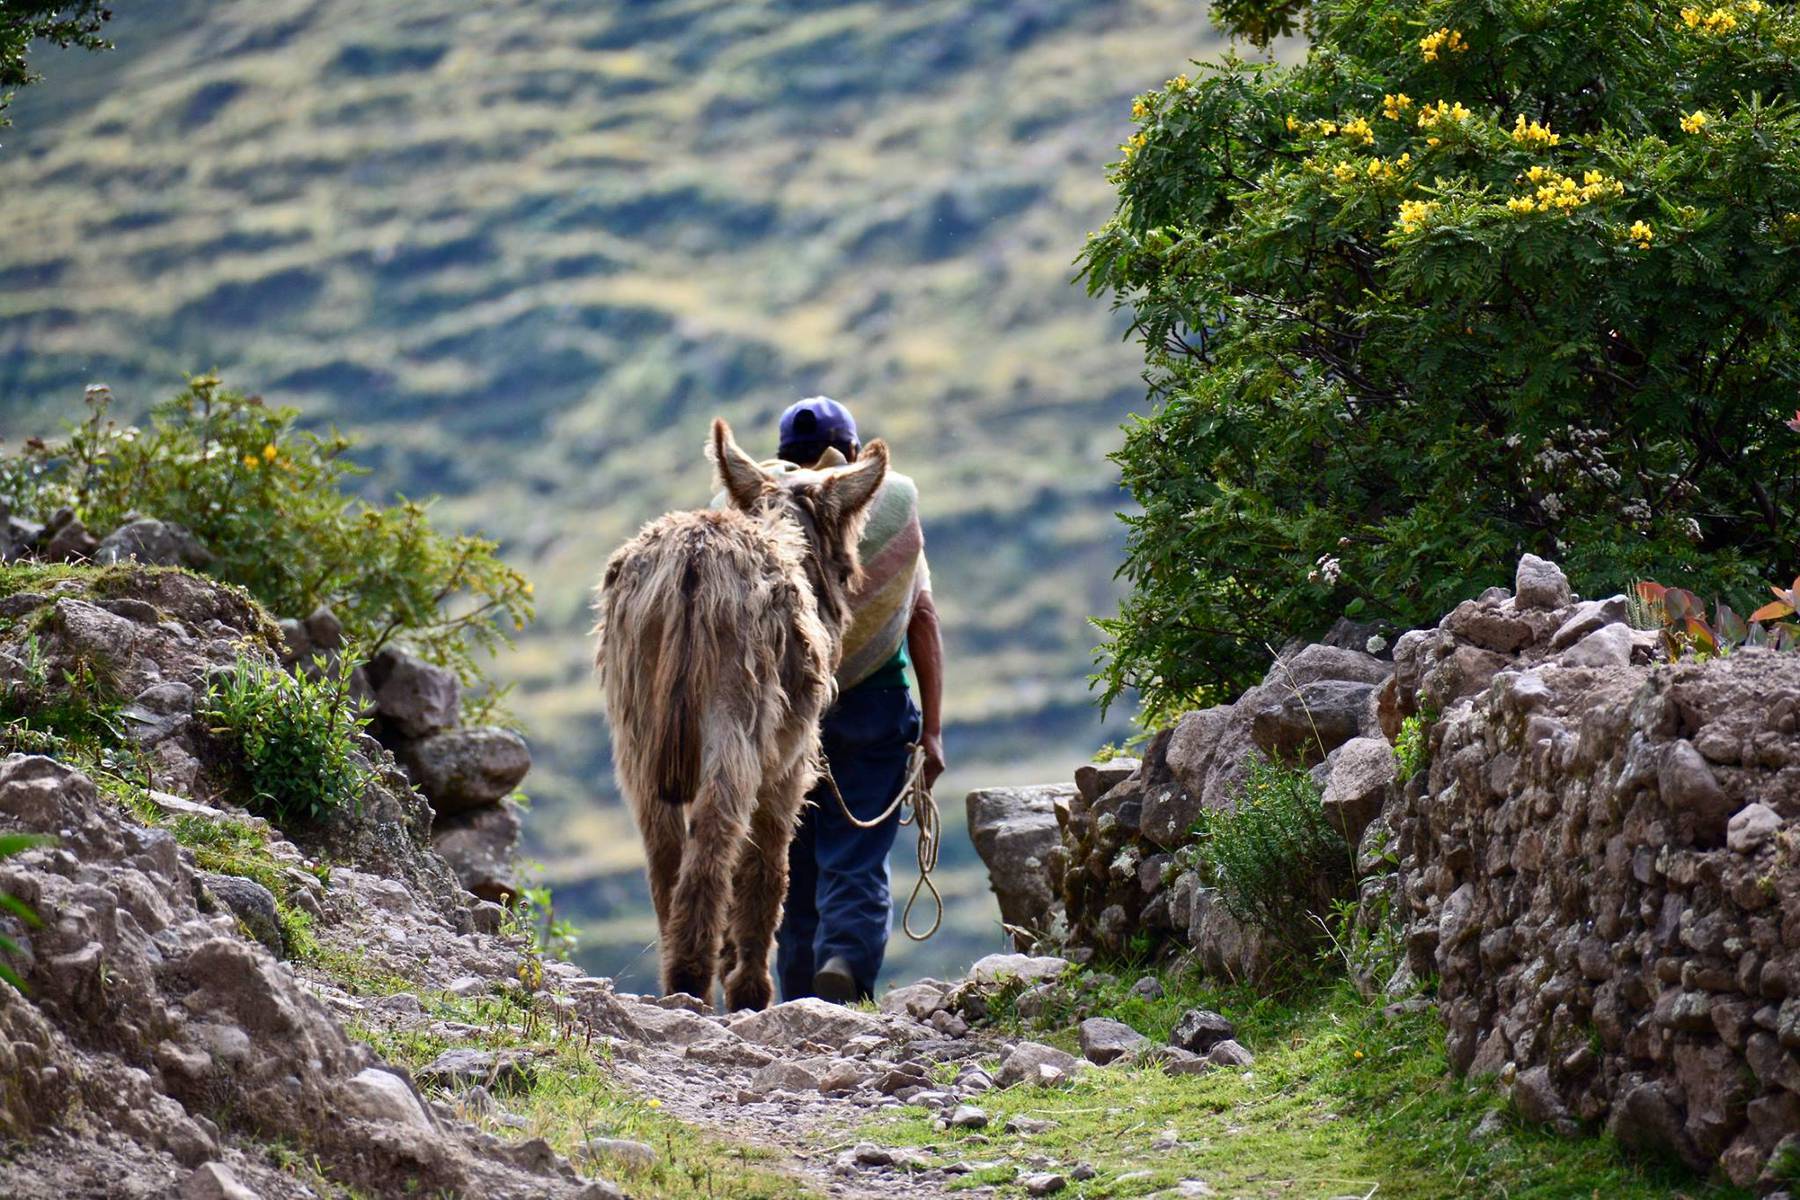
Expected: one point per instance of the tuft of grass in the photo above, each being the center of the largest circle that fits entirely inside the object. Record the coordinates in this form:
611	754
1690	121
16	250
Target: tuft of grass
1341	1098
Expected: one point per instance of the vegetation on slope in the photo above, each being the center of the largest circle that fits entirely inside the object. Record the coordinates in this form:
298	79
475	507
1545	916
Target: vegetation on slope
1474	280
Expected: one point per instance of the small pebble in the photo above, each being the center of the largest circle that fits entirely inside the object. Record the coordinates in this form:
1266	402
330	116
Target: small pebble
967	1116
1045	1184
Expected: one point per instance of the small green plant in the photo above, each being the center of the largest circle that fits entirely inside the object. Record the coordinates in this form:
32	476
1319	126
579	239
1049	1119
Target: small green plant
11	844
1411	748
533	915
293	736
1276	860
1680	616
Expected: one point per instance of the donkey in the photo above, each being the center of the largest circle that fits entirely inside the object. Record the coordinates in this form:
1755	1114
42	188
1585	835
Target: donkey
719	633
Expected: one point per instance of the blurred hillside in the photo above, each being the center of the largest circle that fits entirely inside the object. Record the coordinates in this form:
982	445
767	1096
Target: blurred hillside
528	249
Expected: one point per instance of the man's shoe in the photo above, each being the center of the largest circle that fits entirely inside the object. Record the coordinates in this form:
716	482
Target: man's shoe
834	981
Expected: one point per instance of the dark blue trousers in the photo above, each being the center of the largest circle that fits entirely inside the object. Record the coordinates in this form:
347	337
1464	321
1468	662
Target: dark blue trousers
838	902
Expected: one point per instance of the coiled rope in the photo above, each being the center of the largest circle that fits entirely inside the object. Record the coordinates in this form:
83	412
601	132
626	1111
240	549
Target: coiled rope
915	794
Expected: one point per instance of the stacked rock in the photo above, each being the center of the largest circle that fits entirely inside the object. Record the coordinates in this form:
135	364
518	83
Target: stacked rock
466	772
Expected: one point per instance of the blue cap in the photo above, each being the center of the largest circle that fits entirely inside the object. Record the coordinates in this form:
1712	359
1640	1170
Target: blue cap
814	424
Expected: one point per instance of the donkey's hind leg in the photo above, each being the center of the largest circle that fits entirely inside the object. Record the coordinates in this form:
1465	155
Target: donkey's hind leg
761	888
717	826
664	829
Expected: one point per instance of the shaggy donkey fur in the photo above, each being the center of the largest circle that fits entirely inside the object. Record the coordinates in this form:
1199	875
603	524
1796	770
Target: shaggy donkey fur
719	632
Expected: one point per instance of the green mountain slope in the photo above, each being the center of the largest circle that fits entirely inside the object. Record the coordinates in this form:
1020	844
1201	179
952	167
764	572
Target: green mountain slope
530	248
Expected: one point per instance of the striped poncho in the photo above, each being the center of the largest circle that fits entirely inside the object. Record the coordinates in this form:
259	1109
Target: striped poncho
895	574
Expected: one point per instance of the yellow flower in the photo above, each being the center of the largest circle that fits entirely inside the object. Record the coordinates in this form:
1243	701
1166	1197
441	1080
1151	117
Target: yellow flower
1178	84
1343	172
1432	141
1393	104
1533	134
654	1103
1690	17
1291	123
1537	173
1641	233
1414	213
1592	177
1133	144
1359	1054
269	452
1444	39
1404	160
1139	110
1327	127
252	462
1520	204
1359	128
1694	122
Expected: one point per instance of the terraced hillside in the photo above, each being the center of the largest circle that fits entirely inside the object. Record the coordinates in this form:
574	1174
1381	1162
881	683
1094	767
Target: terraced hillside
529	247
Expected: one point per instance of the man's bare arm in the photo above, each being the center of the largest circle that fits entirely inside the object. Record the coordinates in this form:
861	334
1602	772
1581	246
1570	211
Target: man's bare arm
925	642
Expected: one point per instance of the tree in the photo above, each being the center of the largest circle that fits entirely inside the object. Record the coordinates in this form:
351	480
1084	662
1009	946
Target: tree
62	24
1476	278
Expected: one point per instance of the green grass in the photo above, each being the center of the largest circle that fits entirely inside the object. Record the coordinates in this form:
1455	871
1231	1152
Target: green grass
1341	1099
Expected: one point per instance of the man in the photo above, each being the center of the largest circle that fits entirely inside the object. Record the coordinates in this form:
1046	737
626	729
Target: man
835	928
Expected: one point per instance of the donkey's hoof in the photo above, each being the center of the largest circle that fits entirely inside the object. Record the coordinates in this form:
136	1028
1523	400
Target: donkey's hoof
746	990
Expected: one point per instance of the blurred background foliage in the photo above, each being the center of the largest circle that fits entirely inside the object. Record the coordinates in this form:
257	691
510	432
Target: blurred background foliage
526	250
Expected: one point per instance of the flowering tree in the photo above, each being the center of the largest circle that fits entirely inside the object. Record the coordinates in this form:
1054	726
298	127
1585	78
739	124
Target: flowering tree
1476	278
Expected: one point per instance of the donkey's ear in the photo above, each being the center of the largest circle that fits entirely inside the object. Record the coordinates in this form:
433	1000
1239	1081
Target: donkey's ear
742	479
848	491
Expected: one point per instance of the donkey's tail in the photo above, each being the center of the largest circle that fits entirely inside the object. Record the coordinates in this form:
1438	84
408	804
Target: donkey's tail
655	660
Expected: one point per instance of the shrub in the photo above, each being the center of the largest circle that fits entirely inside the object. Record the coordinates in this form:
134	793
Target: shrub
1276	860
268	500
1680	616
1474	279
294	737
1411	748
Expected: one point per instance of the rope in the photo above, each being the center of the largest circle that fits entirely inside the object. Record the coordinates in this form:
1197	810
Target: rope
916	794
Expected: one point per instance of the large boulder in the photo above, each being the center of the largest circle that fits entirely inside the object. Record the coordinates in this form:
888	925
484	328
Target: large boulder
465	769
1362	771
1014	831
479	847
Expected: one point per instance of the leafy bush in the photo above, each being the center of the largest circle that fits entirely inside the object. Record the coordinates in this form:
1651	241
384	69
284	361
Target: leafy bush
268	500
293	735
1680	616
1474	279
1276	860
11	844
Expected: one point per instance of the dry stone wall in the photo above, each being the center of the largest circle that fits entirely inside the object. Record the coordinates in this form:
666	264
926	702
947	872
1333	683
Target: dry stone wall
1599	870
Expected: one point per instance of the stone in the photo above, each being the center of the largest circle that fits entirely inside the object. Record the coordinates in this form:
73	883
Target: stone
1042	1183
1014	830
1176	1061
1093	780
251	903
505	1072
844	1075
998	968
806	1020
1607	647
1362	771
1750	828
967	1116
71	543
1535	1096
414	698
1104	1040
1540	583
466	768
214	1181
785	1075
1311	723
1028	1126
1147	988
637	1156
158	713
152	542
1199	1030
377	1095
916	1000
1687	785
480	847
1589	616
1025	1063
1230	1053
1647	1119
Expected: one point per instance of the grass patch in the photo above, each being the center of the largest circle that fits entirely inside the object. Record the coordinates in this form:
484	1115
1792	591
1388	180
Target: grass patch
575	1098
1341	1099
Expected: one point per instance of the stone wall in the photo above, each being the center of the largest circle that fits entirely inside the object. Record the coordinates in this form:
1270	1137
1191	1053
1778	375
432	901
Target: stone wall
1599	868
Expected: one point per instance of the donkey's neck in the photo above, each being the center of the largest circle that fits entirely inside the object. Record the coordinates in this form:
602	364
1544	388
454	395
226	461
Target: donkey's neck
830	598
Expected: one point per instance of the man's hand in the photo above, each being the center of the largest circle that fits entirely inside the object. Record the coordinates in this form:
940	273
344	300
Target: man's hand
934	757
